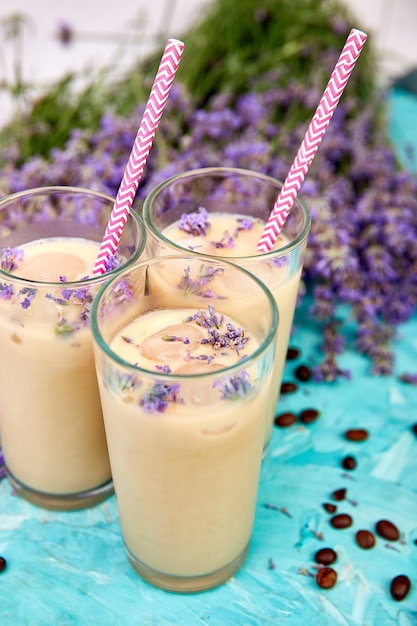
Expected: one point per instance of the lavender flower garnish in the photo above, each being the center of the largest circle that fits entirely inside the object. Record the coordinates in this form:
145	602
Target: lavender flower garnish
208	319
196	285
65	327
195	223
10	258
156	400
234	387
6	291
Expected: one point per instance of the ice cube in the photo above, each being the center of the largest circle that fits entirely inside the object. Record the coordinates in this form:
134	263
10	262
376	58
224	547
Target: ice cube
172	342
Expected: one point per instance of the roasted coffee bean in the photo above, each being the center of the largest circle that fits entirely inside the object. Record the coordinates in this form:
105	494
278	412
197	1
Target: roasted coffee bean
400	586
288	387
349	463
309	415
325	556
341	520
414	428
356	434
283	420
292	354
387	530
330	508
326	577
365	539
303	373
339	494
3	563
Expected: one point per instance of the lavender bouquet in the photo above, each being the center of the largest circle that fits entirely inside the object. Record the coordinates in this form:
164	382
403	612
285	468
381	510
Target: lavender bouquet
363	244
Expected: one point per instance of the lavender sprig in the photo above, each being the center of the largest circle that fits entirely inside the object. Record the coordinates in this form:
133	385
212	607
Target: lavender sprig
234	387
197	285
156	400
10	258
196	223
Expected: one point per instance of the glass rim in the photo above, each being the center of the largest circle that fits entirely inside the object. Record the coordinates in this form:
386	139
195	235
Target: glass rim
221	172
70	190
267	341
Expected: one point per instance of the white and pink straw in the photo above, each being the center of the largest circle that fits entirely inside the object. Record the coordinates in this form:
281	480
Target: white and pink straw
312	139
140	151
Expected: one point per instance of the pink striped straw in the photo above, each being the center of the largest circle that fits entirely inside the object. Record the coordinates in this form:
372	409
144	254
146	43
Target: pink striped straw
312	138
140	151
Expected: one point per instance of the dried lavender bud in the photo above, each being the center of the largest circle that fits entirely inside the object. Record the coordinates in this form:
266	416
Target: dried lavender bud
400	587
365	539
325	556
387	530
356	434
349	463
285	419
326	577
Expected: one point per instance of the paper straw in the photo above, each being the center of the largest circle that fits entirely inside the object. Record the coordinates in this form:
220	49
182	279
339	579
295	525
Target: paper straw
140	151
312	138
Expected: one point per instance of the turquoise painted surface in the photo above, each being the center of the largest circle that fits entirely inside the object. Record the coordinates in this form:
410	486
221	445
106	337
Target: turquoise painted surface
402	125
69	568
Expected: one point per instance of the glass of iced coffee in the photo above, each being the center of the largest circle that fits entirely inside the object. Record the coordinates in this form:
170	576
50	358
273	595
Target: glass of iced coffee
184	350
51	425
221	212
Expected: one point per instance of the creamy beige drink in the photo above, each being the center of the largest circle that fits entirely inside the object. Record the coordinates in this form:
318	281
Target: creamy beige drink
51	425
50	417
221	212
228	236
184	371
194	463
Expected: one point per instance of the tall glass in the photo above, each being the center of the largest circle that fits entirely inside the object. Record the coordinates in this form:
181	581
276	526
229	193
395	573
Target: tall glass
176	223
51	425
184	362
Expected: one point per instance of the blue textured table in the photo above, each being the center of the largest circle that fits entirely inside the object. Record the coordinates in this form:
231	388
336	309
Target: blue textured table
70	568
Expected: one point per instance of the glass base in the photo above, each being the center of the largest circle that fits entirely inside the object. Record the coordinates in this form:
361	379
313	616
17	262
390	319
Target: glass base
61	502
186	584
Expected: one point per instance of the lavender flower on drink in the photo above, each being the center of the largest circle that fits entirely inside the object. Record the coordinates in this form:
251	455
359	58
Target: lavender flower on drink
10	258
234	387
156	400
197	285
195	223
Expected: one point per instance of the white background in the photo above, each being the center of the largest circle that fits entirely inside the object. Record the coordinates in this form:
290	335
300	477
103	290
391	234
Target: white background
119	32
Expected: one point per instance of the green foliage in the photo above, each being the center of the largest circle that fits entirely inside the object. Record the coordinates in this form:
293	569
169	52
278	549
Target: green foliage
238	46
239	40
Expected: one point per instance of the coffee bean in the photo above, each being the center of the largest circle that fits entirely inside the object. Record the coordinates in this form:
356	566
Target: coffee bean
292	354
400	586
414	428
330	508
339	494
283	420
349	463
303	373
288	387
341	520
326	577
325	556
309	415
365	539
356	434
3	563
387	530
